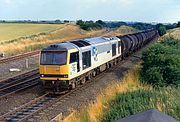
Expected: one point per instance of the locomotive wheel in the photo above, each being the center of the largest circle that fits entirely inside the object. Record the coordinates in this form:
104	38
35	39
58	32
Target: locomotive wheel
110	65
83	81
94	74
107	66
88	77
73	85
115	62
98	71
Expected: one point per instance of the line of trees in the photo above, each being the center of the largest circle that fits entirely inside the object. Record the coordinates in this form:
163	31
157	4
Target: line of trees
88	25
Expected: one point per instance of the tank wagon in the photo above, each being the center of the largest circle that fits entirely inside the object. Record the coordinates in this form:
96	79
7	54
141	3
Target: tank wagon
65	65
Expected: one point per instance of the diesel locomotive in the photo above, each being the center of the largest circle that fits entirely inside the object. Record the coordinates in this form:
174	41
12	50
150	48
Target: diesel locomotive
67	64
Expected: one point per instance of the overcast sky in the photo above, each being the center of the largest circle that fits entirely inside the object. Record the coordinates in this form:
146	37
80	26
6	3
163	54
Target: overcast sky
115	10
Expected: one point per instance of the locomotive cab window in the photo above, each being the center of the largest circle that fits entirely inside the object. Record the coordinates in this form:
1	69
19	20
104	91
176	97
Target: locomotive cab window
113	49
74	57
86	57
53	58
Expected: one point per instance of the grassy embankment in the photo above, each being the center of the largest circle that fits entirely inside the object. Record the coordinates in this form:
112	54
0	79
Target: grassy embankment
122	30
173	33
121	99
130	96
19	38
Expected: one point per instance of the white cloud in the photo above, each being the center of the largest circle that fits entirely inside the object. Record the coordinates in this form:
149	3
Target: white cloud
125	2
8	1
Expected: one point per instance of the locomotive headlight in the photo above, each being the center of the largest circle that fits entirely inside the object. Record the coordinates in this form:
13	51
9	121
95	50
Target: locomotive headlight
42	75
65	76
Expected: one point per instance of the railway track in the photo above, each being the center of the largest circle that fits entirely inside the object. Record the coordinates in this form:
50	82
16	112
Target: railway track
17	83
20	56
24	110
30	109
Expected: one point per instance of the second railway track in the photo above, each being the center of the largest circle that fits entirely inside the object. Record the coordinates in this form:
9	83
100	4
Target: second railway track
20	82
17	57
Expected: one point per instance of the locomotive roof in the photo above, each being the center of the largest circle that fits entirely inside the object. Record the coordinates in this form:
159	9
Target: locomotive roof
64	46
97	40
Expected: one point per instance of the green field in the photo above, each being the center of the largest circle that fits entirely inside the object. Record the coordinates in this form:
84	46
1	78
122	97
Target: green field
9	31
22	37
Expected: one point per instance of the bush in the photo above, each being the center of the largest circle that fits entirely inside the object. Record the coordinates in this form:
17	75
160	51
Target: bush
161	63
161	29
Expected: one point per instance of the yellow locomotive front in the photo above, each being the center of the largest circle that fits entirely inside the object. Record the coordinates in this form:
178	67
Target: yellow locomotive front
54	66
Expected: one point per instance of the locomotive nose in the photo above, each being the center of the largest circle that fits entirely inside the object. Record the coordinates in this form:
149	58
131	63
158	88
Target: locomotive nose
50	70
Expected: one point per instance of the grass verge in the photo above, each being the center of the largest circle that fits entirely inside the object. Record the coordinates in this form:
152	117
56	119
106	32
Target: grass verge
121	99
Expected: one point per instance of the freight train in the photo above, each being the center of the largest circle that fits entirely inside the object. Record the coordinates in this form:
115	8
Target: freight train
68	64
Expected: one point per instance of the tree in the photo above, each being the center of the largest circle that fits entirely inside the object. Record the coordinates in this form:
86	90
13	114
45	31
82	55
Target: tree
79	22
101	23
178	25
161	29
66	21
171	26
